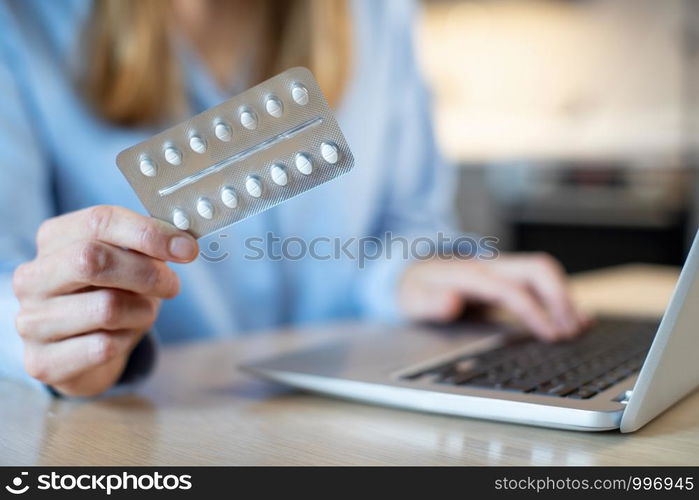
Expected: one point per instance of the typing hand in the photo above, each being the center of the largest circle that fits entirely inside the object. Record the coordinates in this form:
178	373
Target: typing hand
530	286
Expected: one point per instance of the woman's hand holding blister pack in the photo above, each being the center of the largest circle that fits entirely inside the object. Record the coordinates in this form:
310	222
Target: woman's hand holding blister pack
95	286
92	292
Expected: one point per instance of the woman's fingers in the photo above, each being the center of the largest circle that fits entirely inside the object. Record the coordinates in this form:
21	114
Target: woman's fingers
92	291
56	362
546	277
519	301
90	263
119	227
476	281
58	318
513	297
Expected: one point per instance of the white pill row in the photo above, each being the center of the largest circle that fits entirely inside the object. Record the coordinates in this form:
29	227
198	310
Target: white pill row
253	185
223	132
327	150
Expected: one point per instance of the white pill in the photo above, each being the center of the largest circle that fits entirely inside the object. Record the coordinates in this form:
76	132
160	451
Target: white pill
229	198
279	175
173	156
254	187
303	163
329	152
274	107
300	94
248	120
197	144
223	132
205	208
147	167
180	219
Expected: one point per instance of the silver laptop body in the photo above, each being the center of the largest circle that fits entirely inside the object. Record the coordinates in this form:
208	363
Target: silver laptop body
377	364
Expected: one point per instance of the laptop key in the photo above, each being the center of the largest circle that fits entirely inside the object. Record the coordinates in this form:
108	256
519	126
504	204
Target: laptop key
482	381
584	393
562	389
460	377
520	385
601	383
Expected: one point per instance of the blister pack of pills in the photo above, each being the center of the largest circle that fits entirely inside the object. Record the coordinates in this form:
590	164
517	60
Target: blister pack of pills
264	146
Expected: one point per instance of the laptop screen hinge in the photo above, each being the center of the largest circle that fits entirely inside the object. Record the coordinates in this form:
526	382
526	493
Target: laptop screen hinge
624	397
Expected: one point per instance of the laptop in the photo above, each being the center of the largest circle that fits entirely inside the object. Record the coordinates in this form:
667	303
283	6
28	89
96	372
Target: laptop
620	374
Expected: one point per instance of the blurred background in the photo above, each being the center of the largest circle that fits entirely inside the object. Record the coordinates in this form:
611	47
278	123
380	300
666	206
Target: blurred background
575	123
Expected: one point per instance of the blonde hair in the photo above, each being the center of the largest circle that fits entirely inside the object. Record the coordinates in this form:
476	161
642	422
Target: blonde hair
127	39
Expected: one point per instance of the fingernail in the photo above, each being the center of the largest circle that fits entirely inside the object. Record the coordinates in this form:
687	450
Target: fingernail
550	332
571	326
182	248
561	324
550	337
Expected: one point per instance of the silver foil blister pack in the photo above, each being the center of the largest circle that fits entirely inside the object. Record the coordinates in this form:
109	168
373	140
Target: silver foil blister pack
255	150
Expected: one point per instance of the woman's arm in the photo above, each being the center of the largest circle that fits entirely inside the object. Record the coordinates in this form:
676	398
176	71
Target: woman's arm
78	291
420	185
420	203
25	193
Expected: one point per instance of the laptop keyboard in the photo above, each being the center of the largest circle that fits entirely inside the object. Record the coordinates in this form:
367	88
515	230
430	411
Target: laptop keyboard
609	352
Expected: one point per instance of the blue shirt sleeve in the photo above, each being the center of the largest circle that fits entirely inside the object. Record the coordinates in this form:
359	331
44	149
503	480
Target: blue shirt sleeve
25	193
420	193
26	199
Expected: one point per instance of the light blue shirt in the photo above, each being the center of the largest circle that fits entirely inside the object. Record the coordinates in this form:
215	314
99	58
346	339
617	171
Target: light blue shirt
56	157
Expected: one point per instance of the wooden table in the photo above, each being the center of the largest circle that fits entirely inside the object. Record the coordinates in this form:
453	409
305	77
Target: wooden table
198	409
